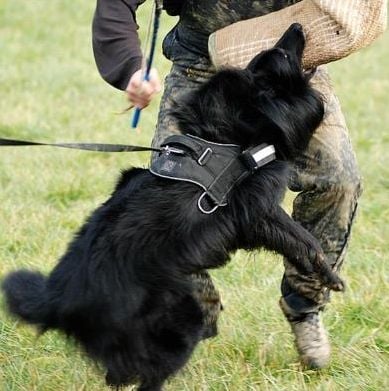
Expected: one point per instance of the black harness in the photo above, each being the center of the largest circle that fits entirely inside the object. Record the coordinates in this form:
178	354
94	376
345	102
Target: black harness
216	168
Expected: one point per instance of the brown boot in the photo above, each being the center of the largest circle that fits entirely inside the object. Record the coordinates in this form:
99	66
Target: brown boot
311	338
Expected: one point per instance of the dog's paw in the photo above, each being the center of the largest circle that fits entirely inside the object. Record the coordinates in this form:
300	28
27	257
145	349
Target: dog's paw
303	264
338	286
325	273
314	263
333	281
117	380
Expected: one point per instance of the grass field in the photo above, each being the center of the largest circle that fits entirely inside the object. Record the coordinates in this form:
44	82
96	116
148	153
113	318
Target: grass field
50	90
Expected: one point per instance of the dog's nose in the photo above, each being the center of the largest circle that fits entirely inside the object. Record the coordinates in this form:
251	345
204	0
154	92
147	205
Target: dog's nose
296	27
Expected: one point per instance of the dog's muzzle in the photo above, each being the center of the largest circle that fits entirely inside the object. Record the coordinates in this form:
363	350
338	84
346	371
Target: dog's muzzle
216	168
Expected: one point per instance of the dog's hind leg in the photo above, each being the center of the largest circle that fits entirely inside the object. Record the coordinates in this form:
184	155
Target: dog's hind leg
279	232
151	385
172	333
121	371
117	381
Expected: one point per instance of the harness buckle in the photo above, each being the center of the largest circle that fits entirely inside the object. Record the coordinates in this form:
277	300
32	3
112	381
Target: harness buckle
205	156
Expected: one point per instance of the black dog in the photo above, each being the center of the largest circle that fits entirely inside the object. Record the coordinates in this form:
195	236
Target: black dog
123	289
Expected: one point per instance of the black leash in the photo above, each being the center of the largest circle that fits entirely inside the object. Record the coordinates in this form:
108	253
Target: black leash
97	147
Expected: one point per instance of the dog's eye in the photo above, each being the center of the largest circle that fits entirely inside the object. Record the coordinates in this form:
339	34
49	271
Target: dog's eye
286	56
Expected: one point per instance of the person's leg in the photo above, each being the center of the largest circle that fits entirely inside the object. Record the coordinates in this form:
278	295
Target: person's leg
181	81
327	179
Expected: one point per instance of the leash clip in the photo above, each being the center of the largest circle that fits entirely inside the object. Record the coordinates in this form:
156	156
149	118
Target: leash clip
168	150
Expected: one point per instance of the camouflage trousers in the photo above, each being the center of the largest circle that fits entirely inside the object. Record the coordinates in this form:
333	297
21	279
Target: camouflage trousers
325	177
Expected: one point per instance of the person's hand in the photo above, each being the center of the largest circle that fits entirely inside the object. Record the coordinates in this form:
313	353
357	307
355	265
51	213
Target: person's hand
140	92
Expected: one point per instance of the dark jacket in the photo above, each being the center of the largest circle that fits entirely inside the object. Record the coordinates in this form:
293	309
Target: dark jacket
116	44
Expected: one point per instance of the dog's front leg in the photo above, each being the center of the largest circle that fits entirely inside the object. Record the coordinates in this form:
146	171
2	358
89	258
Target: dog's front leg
277	231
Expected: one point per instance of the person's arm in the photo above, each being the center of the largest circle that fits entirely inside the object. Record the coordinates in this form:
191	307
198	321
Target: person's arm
116	43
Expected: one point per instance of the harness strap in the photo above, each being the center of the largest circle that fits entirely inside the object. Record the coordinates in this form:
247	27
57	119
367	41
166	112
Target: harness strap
230	175
195	147
186	141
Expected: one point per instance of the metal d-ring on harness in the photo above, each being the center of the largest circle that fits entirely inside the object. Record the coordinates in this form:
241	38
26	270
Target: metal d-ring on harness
156	16
209	211
216	168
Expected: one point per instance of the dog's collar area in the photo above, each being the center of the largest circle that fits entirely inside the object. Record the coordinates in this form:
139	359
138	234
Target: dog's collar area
216	168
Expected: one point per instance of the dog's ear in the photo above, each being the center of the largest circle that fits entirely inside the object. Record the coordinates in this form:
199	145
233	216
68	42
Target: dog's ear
256	63
269	62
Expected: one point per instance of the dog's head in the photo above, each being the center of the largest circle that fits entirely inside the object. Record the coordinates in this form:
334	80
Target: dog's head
270	101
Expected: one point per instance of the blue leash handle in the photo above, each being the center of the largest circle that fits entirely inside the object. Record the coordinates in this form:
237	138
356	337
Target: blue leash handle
158	9
136	117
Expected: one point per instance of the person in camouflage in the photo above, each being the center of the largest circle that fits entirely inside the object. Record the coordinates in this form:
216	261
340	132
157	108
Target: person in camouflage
325	177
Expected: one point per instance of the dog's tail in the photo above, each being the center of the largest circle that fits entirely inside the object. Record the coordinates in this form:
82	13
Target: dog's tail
26	296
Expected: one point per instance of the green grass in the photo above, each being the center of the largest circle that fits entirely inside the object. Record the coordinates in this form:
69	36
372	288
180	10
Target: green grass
50	90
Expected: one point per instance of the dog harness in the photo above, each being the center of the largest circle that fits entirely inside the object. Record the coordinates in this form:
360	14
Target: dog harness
216	168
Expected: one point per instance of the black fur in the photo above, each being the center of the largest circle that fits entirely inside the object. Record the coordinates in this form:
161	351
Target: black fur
122	289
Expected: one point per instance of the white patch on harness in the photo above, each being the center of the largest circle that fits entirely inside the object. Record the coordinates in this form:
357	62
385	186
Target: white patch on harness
264	153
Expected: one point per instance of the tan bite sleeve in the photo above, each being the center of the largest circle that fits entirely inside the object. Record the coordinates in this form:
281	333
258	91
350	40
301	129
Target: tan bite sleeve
333	28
